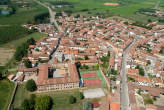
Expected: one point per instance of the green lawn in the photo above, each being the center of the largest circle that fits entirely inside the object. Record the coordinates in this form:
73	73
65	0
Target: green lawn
60	99
21	94
16	43
6	89
98	76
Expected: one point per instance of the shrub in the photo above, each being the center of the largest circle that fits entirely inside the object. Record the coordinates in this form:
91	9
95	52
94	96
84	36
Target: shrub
72	99
81	95
27	63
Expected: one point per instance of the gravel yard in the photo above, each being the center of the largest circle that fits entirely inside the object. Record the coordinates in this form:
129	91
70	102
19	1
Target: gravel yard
94	93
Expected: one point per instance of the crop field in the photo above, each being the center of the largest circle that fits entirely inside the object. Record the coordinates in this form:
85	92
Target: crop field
124	8
5	55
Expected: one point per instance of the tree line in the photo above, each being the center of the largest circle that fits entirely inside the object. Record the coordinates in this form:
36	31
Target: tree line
4	2
41	18
42	102
21	51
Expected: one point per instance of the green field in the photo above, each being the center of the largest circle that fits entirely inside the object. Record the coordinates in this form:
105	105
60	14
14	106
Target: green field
126	8
23	15
16	43
6	89
21	94
60	99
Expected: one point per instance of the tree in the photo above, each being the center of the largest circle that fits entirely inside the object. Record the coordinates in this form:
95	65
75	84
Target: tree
31	41
22	50
148	63
126	22
149	20
1	76
86	57
30	85
28	104
113	72
72	99
162	50
139	91
141	71
81	95
27	63
32	101
108	55
43	103
25	105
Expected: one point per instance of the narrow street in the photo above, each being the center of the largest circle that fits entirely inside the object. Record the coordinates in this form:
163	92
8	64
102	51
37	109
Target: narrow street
124	99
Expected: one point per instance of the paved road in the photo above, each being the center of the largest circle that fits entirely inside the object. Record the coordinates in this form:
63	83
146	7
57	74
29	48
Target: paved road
157	5
52	15
124	99
53	21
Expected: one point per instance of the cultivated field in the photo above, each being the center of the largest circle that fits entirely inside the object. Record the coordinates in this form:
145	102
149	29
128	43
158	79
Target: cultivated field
107	8
5	55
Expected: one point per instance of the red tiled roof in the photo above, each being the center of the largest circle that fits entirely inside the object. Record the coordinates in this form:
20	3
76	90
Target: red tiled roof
44	80
95	104
114	106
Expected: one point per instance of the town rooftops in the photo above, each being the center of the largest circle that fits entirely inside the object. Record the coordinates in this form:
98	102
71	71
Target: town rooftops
151	107
23	69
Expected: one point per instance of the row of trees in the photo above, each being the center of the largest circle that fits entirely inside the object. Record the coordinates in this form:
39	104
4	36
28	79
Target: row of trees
22	50
139	24
42	102
41	18
13	32
4	2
